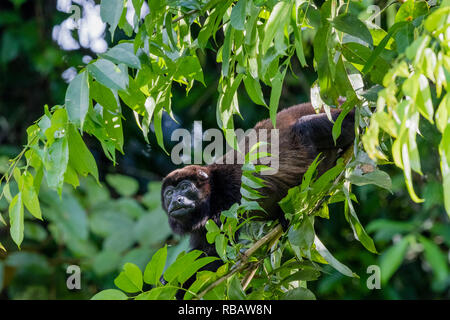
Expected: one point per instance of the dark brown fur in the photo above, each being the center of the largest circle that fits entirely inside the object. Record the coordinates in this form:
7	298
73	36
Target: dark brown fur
303	134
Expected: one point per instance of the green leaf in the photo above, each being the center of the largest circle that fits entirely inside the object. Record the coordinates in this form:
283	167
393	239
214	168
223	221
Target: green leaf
71	177
372	59
69	217
16	219
157	124
275	94
124	185
119	241
56	163
437	19
254	91
303	236
110	12
226	50
203	277
123	53
307	177
235	291
323	251
392	258
80	158
137	5
423	100
346	108
107	73
299	294
7	193
10	46
436	258
130	279
149	221
110	294
169	29
159	293
103	96
179	266
410	10
298	41
358	230
377	177
58	126
386	229
251	181
193	267
231	212
443	113
106	262
351	25
155	267
302	275
444	151
77	99
237	17
278	18
221	245
29	194
189	67
328	92
213	231
405	157
209	26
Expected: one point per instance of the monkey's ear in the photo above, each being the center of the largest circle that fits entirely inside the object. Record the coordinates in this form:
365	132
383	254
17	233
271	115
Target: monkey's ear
202	174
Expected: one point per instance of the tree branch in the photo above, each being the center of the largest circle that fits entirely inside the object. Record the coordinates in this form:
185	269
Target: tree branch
184	15
242	262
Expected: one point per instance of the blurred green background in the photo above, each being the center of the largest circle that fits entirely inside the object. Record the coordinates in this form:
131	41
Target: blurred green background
100	228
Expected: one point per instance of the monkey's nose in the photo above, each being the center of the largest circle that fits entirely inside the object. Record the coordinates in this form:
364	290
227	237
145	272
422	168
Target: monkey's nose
180	200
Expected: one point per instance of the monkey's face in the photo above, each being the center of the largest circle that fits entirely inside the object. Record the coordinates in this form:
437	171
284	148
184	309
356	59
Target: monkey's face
185	198
181	200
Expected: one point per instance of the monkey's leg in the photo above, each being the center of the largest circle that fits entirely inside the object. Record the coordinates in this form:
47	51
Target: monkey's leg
315	130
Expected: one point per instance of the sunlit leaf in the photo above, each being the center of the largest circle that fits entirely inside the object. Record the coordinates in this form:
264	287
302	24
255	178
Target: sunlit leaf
155	267
110	294
130	279
351	25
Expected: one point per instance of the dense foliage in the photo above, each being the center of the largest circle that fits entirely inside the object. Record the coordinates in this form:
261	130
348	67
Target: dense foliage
393	77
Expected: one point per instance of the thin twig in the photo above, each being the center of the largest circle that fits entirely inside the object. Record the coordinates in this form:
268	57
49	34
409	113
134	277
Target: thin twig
243	261
249	276
185	15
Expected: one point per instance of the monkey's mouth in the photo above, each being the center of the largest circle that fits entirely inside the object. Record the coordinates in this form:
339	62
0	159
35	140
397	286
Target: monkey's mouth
180	212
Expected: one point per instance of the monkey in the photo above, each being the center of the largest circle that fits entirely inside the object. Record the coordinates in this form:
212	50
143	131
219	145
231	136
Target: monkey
194	194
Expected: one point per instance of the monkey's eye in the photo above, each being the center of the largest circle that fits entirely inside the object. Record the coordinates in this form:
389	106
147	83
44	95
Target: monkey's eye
185	186
168	193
